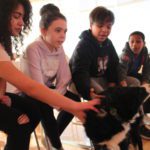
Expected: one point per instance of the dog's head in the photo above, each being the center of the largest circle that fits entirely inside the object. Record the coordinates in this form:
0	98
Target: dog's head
125	101
119	106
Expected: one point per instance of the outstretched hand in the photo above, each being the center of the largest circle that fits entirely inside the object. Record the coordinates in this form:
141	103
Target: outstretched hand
80	108
123	83
93	95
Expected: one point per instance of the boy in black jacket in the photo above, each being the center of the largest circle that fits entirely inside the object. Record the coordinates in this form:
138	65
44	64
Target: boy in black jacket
135	70
135	61
94	62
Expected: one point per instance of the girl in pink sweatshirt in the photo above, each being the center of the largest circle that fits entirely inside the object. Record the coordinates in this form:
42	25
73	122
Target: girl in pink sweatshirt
47	64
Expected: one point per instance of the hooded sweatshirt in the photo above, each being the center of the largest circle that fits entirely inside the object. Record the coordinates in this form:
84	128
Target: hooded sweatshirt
92	59
48	67
131	64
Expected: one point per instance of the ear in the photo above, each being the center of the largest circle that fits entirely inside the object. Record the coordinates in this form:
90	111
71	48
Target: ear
43	31
90	25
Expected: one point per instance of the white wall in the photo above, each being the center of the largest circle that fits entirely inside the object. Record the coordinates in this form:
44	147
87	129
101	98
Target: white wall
130	15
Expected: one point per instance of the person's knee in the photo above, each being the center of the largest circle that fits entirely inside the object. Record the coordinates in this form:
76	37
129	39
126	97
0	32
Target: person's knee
23	129
95	83
134	82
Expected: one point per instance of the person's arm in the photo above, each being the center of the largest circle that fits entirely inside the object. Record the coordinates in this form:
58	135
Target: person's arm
80	67
34	63
63	75
2	87
123	69
4	99
146	71
38	91
112	70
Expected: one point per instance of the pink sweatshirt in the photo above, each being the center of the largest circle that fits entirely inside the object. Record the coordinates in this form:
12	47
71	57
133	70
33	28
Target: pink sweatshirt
48	67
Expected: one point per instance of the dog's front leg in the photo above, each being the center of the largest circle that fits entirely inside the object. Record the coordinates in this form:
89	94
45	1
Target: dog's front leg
118	138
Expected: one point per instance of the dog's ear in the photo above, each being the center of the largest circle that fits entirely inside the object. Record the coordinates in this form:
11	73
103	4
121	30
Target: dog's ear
127	100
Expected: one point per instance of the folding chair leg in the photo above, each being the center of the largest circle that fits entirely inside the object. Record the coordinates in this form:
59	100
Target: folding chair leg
48	147
36	139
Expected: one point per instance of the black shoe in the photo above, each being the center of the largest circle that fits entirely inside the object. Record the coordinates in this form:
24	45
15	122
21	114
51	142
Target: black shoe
145	132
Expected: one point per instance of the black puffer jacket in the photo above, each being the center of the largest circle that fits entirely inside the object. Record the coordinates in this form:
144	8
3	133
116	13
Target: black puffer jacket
91	59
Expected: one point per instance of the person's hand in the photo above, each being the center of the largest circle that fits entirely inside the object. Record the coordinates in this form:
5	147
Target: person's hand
23	119
5	100
123	83
111	84
144	82
81	107
93	94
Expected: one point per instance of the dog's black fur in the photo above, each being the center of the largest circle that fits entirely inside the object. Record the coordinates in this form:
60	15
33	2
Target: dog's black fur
119	106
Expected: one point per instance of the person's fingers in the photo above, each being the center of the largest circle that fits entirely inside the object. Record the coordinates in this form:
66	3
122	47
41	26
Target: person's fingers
23	119
20	119
95	109
81	107
99	96
95	102
91	89
102	96
94	95
90	105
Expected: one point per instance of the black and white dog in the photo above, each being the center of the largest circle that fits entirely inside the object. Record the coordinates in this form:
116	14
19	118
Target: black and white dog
118	119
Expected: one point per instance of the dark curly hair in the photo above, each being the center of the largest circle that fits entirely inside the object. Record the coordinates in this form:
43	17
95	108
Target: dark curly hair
6	9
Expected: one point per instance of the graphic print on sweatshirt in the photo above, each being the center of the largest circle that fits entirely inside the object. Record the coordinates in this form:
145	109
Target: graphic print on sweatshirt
102	64
50	66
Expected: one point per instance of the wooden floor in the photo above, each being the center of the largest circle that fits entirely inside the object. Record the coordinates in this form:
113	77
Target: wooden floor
33	145
78	147
68	146
146	144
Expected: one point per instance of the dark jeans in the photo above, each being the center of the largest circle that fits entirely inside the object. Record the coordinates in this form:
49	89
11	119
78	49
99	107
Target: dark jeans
53	128
64	118
48	121
18	136
146	107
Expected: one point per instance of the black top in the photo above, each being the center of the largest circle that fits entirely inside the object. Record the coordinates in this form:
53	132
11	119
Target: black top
92	59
